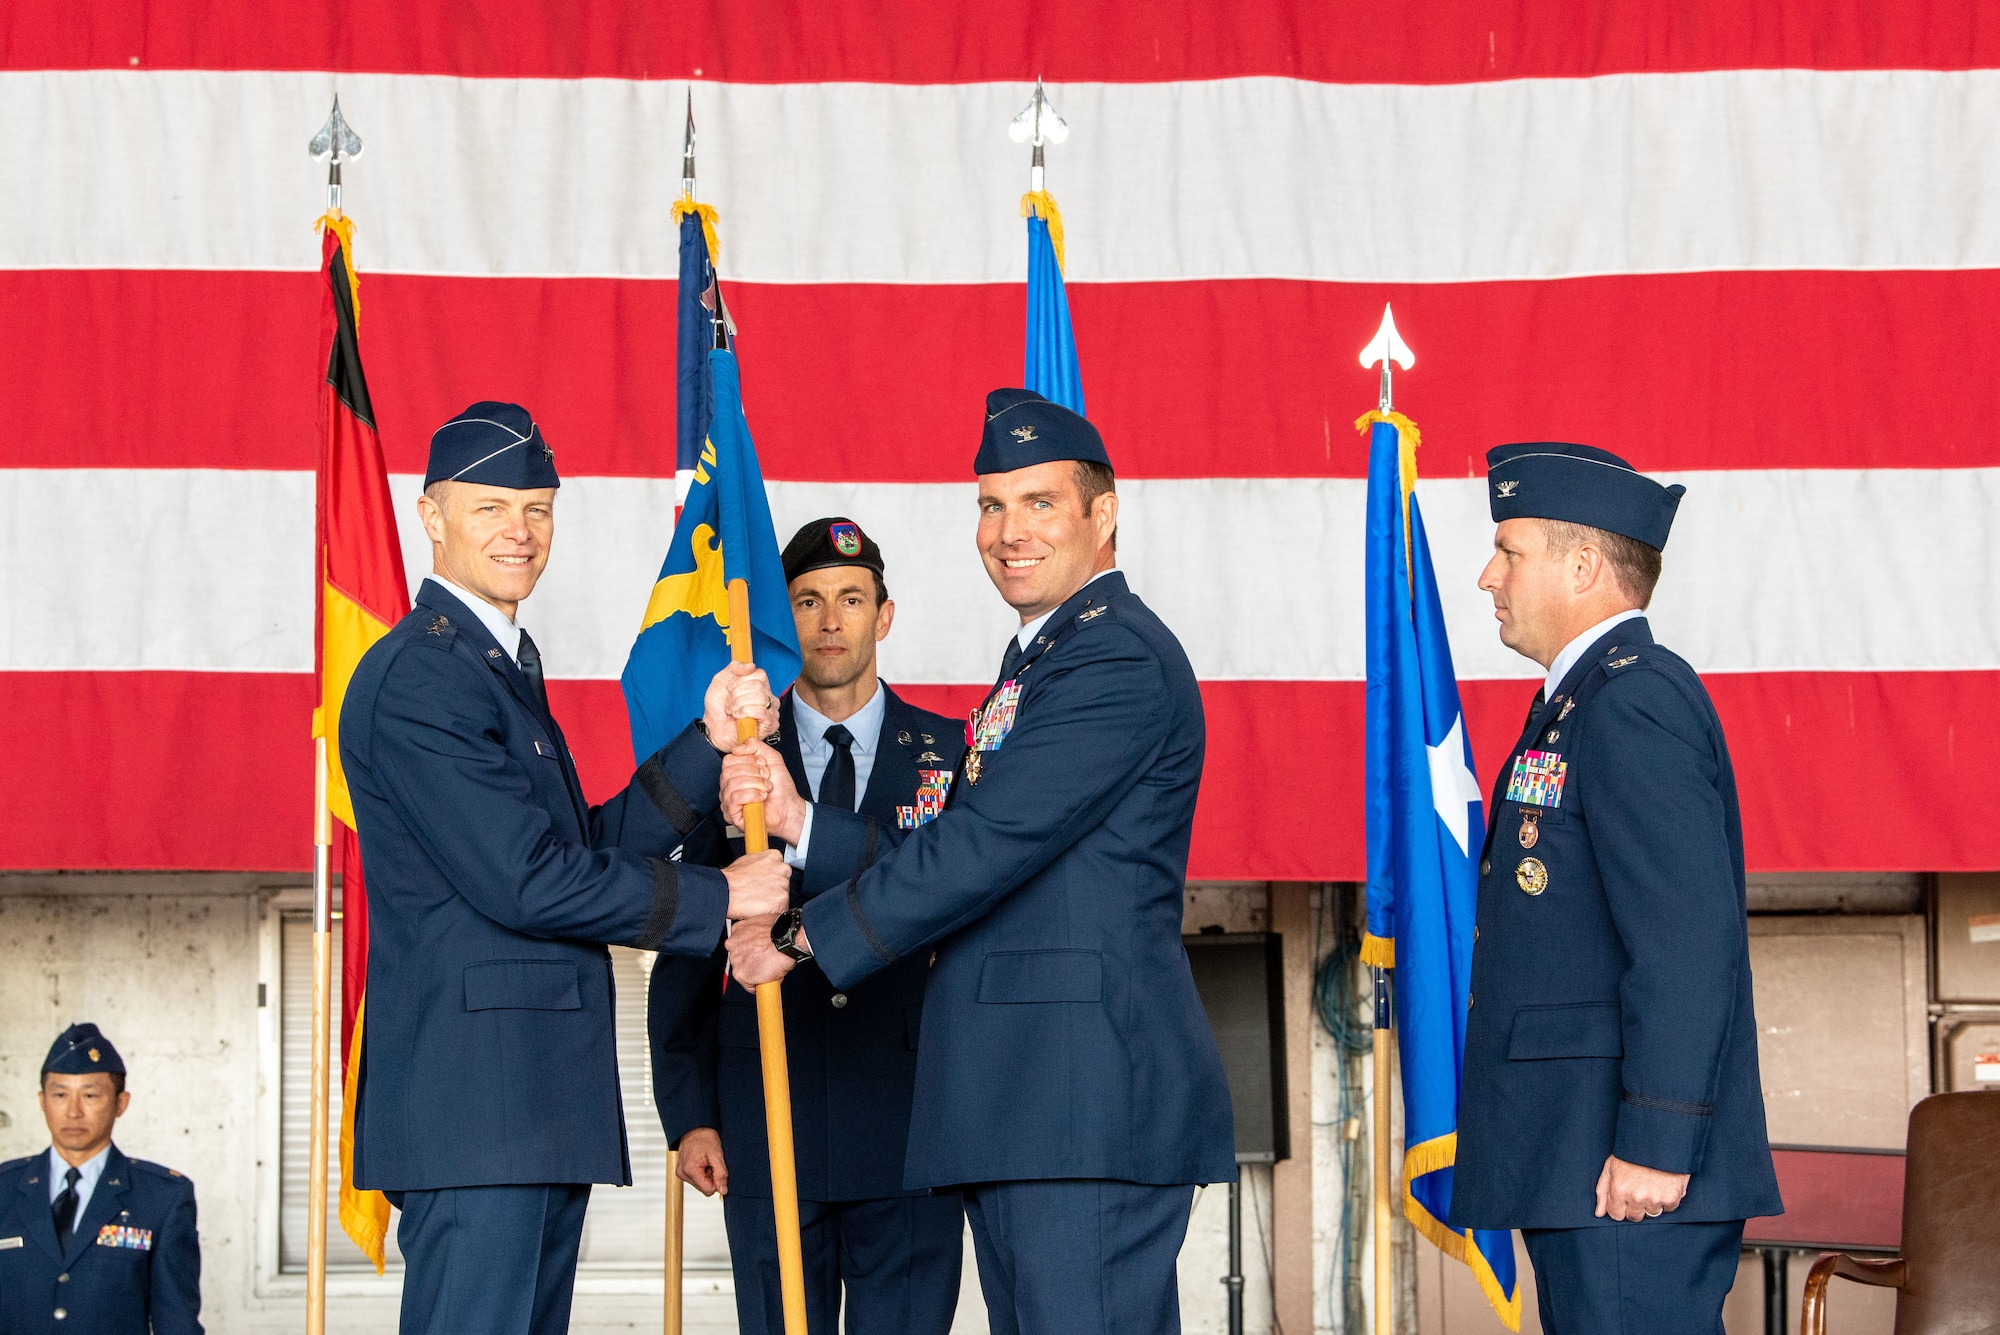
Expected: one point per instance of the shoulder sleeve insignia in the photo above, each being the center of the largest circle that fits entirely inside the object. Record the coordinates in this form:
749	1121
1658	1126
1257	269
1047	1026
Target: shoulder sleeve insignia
1627	661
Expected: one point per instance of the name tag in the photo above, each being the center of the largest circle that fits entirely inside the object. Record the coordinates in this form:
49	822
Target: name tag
118	1235
542	748
1538	779
8	1244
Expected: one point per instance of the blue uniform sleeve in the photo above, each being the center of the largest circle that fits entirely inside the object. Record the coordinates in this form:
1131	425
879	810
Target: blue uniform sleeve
1079	744
1650	779
437	749
175	1300
670	795
683	1009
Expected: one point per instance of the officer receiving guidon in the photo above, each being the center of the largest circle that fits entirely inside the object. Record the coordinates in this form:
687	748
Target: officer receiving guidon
1611	1106
1068	1083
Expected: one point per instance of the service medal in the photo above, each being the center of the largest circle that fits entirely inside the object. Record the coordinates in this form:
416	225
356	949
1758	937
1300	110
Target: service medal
1532	876
1531	828
972	765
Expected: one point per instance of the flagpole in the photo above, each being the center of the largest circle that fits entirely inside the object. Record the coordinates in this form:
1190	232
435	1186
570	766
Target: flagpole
771	1033
1385	1319
670	1315
321	1041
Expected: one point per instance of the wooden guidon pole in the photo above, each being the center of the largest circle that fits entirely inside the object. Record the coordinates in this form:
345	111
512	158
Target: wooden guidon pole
322	1024
771	1034
1385	1274
671	1313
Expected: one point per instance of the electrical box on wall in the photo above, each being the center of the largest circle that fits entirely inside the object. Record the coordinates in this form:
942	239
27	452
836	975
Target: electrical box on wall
1967	926
1969	1050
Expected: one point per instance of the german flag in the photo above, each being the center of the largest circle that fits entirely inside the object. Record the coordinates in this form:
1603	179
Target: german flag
362	593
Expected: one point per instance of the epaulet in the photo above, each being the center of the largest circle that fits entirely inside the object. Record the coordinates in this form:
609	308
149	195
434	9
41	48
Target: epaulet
15	1165
159	1170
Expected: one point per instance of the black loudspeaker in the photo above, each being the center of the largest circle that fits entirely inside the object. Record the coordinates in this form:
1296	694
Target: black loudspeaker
1240	976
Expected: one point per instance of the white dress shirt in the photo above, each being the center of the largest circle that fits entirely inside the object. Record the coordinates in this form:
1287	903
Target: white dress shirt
815	752
1026	635
489	616
91	1170
1572	651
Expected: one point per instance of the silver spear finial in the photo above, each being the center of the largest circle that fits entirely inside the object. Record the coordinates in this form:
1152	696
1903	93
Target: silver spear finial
335	141
1038	123
1387	346
687	150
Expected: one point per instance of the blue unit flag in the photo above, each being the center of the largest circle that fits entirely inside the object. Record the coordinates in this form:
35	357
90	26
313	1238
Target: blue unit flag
1426	826
1052	371
724	533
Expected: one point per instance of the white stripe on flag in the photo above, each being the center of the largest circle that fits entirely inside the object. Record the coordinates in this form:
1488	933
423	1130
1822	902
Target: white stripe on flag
860	182
1768	571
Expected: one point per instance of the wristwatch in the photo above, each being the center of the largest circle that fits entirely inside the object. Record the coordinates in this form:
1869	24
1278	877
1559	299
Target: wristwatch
785	936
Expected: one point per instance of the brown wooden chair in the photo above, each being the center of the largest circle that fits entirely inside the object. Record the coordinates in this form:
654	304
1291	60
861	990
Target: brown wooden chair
1947	1279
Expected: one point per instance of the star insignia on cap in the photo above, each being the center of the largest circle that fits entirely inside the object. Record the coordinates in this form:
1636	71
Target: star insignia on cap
1024	434
1506	489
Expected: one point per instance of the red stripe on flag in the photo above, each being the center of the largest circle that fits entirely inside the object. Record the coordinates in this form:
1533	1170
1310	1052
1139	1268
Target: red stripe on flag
901	41
213	770
1250	378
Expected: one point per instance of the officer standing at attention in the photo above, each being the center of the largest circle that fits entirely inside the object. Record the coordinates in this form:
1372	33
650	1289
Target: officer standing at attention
488	1093
854	744
89	1239
1067	1079
1611	1108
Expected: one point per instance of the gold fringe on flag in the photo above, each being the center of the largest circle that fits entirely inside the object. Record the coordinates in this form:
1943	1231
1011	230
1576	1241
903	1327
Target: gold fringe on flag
1429	1157
1378	952
686	205
343	227
1041	204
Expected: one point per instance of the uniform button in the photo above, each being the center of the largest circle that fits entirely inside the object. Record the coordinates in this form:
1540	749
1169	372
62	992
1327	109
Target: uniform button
1475	933
62	1314
1468	1001
839	1000
1485	866
62	1278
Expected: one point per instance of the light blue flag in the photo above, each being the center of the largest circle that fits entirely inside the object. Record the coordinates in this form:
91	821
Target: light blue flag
1426	827
724	534
1051	371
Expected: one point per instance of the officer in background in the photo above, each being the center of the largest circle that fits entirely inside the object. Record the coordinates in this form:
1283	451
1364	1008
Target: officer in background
488	1093
1067	1078
89	1239
1611	1107
852	742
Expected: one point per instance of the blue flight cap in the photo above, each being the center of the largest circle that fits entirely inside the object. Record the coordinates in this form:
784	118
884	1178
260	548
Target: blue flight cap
1579	484
1024	429
81	1050
497	444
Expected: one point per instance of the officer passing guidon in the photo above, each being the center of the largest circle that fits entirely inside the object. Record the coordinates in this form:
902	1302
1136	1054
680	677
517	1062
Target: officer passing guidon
1611	1108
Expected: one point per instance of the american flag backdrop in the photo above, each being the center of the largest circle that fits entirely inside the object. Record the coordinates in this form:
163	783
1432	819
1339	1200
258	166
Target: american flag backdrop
1753	247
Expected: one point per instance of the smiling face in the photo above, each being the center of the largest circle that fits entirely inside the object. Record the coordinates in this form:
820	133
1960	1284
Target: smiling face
490	541
1038	541
839	624
80	1110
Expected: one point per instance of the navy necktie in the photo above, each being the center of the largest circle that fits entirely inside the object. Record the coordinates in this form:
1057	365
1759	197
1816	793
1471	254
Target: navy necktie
836	786
64	1208
1010	662
529	659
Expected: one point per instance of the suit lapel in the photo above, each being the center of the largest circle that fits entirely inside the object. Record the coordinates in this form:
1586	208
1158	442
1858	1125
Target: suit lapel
894	776
472	633
41	1225
105	1202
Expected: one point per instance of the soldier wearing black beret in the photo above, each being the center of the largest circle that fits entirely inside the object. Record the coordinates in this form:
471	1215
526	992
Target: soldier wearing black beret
89	1239
879	1259
1611	1108
487	1100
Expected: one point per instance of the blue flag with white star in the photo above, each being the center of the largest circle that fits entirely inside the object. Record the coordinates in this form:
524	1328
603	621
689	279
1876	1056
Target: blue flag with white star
1426	826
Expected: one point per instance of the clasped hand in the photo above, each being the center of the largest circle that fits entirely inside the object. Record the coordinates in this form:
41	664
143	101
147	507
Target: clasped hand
1633	1192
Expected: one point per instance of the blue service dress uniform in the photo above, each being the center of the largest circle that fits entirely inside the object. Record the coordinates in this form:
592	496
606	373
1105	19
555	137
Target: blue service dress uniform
488	1056
1067	1077
853	1058
1611	998
133	1263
